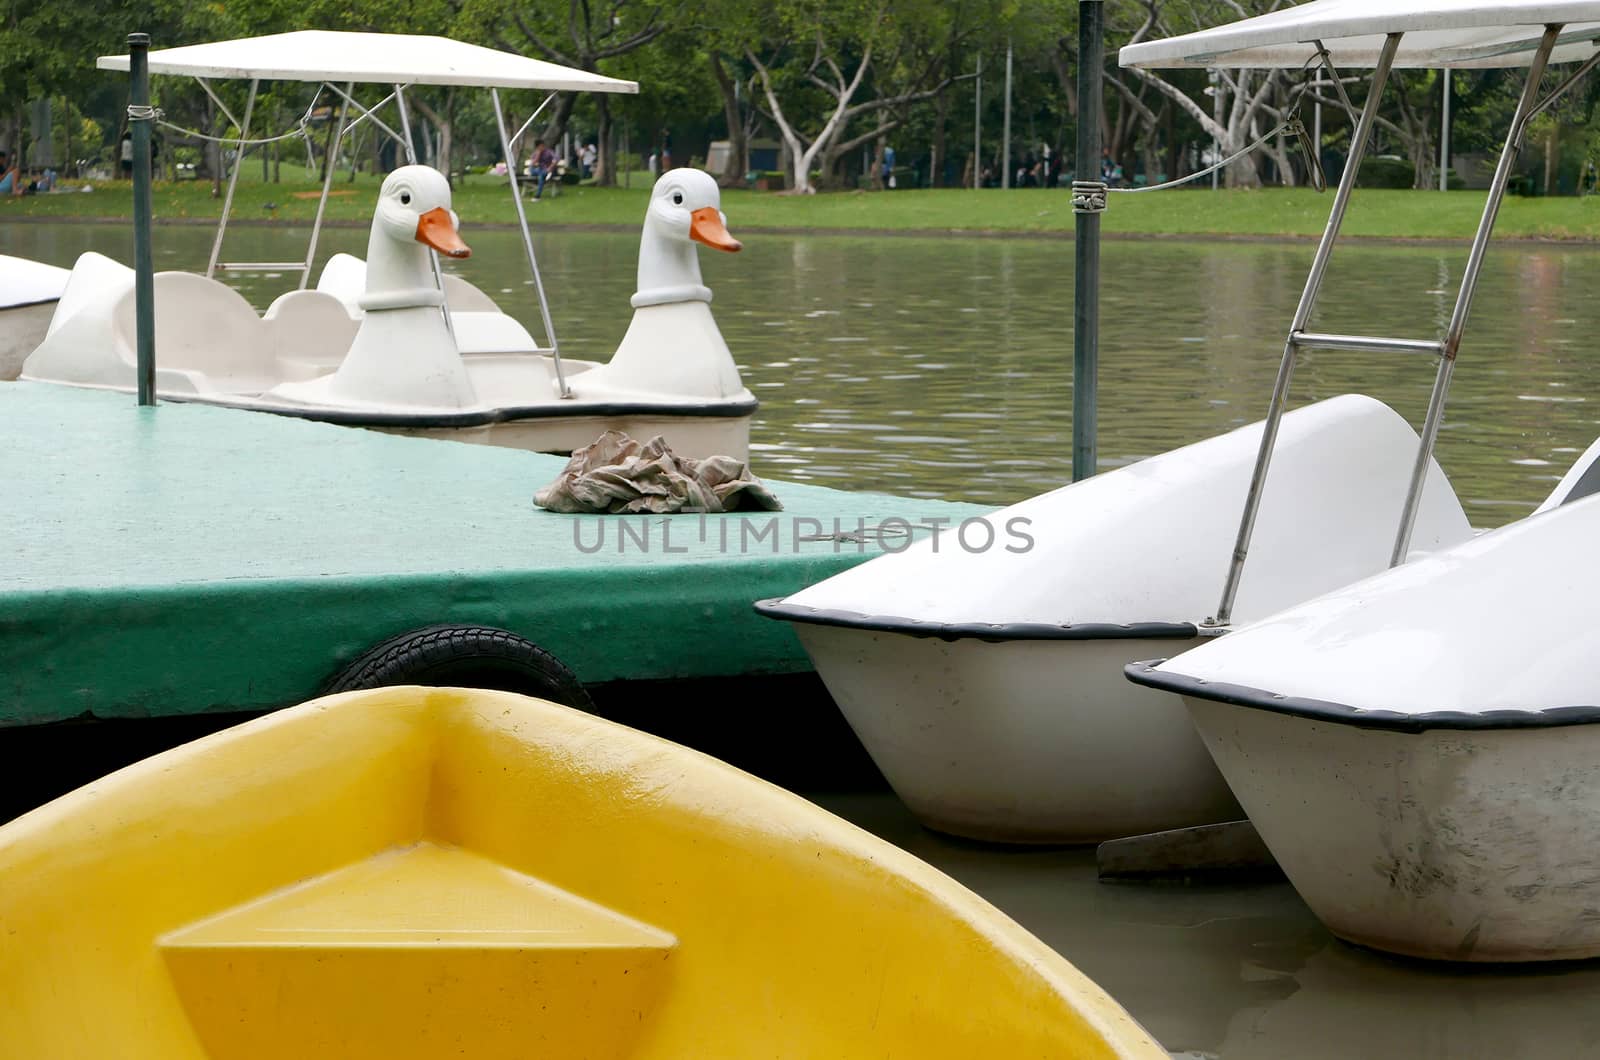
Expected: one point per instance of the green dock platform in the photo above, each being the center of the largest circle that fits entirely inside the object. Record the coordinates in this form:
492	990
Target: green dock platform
186	559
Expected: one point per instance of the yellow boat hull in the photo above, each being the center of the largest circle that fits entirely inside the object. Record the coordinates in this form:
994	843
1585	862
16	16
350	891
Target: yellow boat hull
428	873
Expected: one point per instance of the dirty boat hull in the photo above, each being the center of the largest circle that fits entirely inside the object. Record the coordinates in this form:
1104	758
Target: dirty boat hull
1446	845
1051	749
1421	750
410	872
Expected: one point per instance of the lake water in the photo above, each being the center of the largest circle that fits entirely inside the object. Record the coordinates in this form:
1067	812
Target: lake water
943	367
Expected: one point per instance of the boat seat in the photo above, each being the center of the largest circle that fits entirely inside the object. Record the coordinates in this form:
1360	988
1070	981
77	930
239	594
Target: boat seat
205	330
464	297
310	332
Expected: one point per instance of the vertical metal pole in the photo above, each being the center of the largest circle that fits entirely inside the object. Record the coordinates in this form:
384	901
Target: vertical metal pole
1469	284
327	185
144	276
977	128
233	179
527	243
1005	128
1086	242
1444	136
1316	118
1216	115
1302	313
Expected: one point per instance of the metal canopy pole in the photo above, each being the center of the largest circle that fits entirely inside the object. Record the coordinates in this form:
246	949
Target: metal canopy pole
1302	314
233	179
1527	106
527	240
327	186
1444	136
140	115
977	128
1086	207
1005	126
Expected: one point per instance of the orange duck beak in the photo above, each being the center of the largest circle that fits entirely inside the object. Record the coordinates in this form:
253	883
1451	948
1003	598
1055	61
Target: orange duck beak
437	229
705	226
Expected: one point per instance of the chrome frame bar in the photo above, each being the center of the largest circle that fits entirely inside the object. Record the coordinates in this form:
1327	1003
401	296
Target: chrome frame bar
531	119
1314	340
1528	105
226	113
1302	314
233	178
368	114
433	255
327	185
527	241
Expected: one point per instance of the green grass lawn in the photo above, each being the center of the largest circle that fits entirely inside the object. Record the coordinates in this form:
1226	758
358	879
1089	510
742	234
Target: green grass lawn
1270	212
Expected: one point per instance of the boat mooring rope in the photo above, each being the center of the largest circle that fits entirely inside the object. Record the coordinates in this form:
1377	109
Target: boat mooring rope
302	127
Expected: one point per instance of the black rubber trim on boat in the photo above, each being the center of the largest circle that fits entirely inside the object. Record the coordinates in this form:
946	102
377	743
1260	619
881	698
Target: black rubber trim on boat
420	421
994	632
1145	673
29	305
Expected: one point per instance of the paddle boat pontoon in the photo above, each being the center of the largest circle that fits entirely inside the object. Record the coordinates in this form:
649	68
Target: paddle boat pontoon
452	364
29	291
1415	748
429	872
983	678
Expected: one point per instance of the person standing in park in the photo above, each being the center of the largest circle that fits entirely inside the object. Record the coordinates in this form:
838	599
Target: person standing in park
540	166
127	155
666	150
588	154
10	176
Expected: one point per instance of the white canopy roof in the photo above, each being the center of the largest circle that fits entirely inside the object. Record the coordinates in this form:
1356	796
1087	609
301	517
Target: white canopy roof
386	58
1438	33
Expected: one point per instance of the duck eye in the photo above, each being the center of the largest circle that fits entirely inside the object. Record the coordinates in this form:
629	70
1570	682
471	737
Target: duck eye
677	198
405	198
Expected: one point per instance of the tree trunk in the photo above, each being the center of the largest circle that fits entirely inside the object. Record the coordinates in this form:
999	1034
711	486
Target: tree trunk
605	172
877	163
556	127
738	142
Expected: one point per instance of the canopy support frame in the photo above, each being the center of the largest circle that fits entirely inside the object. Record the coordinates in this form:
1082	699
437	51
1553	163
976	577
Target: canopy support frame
527	237
1528	106
1302	315
327	185
233	177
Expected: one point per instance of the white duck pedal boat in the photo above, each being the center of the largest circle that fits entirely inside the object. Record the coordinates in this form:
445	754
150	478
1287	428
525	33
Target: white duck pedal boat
409	874
1421	750
984	681
428	353
391	360
29	291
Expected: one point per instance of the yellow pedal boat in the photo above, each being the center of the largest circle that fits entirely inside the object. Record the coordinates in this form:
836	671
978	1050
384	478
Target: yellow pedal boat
426	873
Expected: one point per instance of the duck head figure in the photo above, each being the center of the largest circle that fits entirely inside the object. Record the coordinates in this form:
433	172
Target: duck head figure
413	214
403	356
685	209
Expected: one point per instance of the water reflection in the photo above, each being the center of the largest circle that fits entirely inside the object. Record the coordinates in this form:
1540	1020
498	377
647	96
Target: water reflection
943	367
1245	972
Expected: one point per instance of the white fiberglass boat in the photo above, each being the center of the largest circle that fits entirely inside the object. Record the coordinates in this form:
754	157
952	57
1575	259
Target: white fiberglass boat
1424	769
1415	749
469	372
983	681
29	291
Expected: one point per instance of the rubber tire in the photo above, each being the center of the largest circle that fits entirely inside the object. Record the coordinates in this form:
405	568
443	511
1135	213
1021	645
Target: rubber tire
464	657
